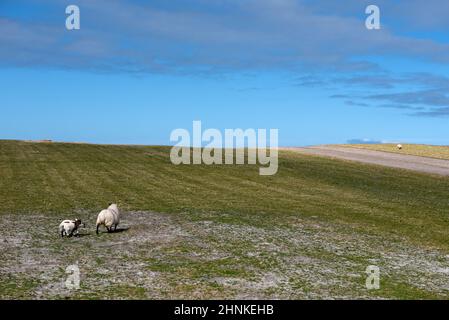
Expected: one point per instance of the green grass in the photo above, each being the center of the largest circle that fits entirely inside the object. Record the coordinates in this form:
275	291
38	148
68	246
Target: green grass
438	152
59	179
17	287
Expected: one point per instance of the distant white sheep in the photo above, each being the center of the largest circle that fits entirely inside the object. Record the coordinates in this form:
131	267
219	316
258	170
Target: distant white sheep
69	227
400	146
109	218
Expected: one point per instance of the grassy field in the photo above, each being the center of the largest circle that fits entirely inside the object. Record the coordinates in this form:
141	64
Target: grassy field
217	231
438	152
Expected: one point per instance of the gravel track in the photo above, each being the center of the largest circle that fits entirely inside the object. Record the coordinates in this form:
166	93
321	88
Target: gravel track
414	163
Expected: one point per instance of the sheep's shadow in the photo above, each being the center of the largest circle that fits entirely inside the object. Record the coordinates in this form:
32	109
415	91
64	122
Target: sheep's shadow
79	235
119	230
82	235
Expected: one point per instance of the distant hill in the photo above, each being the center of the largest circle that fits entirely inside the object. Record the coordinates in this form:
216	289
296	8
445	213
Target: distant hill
439	152
316	214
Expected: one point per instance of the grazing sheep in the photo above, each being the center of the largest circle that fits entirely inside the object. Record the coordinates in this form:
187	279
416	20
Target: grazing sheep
70	227
109	218
400	146
114	208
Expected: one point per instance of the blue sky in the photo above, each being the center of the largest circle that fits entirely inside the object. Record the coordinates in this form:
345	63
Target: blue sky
139	69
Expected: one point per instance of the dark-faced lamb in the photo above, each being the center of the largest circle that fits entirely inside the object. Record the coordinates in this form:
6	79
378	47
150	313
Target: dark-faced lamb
69	227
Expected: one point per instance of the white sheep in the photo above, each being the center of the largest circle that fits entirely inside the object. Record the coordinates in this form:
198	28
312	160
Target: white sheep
114	208
69	227
400	146
109	218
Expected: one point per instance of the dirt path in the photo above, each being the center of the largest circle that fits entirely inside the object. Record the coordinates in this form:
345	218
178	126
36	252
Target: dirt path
415	163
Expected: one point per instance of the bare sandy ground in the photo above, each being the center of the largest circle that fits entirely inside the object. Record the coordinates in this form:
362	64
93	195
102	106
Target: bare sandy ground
415	163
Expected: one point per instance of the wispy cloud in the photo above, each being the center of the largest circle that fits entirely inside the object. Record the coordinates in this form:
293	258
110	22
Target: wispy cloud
208	36
357	104
437	112
363	141
430	96
324	43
